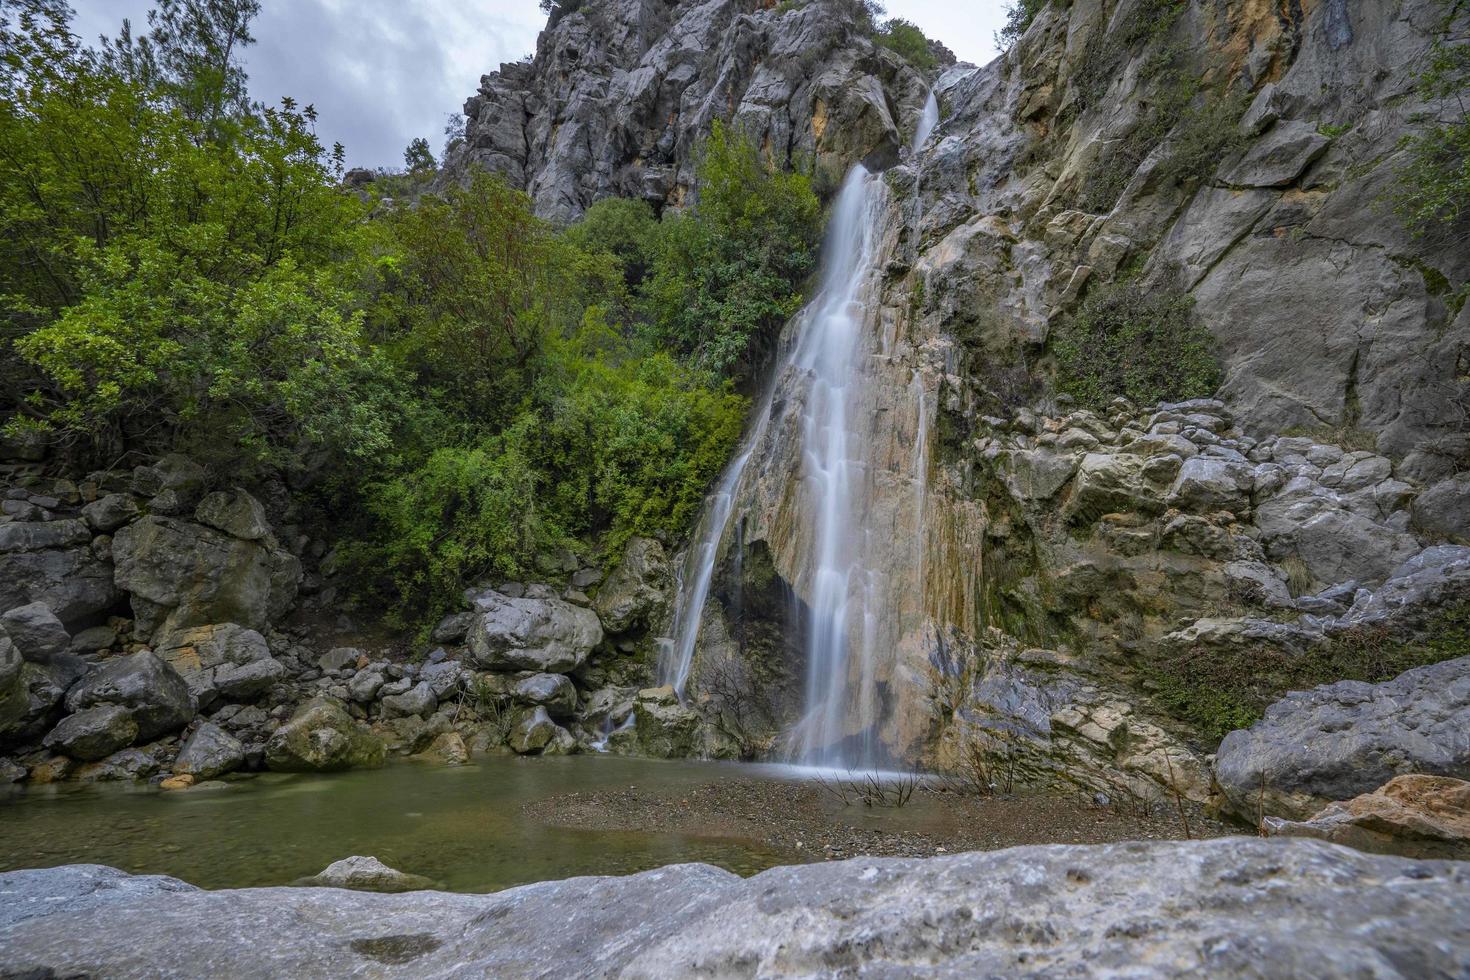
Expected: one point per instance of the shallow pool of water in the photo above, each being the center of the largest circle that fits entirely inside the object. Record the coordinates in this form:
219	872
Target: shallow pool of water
462	827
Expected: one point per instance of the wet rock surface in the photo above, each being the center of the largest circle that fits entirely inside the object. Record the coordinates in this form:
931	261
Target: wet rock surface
1306	907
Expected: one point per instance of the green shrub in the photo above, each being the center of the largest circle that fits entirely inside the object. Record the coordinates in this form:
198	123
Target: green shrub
622	227
1218	691
1433	193
1144	345
905	38
727	275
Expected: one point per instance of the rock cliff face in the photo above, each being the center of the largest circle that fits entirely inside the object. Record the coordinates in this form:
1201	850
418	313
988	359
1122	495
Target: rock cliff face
620	92
1031	562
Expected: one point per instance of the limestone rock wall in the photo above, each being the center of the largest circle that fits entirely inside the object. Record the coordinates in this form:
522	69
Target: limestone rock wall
620	92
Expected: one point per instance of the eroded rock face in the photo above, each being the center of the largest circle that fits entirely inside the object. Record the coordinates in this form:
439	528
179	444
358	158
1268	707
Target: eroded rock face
1412	816
1221	908
322	737
1341	740
546	635
621	92
182	574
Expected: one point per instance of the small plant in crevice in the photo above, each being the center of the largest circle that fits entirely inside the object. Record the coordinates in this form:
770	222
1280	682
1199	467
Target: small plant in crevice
1143	344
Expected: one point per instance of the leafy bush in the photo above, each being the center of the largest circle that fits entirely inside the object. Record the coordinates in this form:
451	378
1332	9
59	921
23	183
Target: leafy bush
622	227
1144	345
728	274
603	450
905	38
1218	691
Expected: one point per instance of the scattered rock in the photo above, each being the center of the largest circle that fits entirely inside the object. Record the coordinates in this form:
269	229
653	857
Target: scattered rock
236	513
447	749
94	733
417	700
155	696
208	753
366	874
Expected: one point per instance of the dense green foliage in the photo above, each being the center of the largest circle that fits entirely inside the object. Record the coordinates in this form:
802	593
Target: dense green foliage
905	38
1217	691
726	275
461	385
1144	345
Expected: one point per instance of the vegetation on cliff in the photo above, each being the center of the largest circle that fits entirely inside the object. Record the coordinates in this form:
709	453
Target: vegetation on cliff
462	384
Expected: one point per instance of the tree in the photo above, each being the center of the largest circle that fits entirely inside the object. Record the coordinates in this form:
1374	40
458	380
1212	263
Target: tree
191	53
418	158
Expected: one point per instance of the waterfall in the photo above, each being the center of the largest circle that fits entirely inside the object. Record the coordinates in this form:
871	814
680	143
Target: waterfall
841	586
826	335
928	119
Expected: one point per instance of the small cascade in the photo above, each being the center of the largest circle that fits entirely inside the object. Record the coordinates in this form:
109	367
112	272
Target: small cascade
928	120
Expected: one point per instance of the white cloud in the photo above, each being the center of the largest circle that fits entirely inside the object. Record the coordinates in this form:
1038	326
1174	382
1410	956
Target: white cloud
381	72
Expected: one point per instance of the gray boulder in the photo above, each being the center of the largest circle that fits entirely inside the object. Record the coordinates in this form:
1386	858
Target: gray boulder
540	634
155	696
111	512
1230	907
182	574
73	581
533	731
1436	576
248	681
555	692
209	752
1205	484
36	535
94	733
322	737
1341	740
635	588
364	686
175	473
36	631
445	678
236	513
30	694
417	700
1443	511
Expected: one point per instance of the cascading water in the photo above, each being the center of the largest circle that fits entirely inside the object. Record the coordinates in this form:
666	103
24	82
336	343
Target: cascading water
841	587
826	340
928	119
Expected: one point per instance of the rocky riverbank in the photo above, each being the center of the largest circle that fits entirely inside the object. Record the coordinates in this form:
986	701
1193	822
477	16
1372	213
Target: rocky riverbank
1235	906
829	820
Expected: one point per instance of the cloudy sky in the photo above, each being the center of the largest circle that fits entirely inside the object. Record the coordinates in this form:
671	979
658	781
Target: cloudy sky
381	72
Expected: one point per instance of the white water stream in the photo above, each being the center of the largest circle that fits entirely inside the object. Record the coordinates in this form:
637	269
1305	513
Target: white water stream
841	592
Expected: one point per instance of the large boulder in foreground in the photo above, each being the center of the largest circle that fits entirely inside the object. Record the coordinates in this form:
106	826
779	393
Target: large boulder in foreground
546	635
322	737
1412	816
1341	740
1229	907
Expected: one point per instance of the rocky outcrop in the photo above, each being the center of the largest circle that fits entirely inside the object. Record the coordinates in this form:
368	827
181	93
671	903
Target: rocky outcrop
621	92
1221	907
1412	816
322	737
1338	741
635	589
